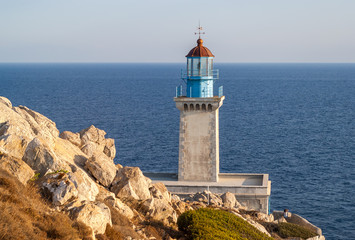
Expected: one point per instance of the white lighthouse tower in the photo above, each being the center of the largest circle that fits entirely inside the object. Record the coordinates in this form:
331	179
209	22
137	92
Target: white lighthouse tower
199	125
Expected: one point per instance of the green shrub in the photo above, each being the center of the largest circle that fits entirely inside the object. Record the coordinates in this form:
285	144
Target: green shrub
207	223
286	230
35	177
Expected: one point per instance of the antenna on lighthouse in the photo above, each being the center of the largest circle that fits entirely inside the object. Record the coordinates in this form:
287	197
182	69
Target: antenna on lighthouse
199	30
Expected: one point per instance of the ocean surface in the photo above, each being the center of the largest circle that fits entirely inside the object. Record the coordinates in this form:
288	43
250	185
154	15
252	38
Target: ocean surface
295	122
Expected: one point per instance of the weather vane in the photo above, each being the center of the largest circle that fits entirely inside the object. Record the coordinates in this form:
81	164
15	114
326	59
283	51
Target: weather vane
199	30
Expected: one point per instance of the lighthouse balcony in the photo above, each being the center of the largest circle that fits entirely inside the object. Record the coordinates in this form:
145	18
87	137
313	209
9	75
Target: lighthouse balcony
200	74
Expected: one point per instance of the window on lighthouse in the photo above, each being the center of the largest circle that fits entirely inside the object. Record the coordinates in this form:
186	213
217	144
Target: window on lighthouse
203	67
196	66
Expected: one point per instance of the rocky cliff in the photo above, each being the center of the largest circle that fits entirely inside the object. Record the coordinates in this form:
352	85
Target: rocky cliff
76	174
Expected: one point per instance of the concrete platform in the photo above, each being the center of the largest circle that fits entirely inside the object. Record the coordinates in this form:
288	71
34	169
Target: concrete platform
251	190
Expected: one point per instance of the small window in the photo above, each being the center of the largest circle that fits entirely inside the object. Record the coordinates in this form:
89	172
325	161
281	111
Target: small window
191	107
203	107
197	106
209	107
185	107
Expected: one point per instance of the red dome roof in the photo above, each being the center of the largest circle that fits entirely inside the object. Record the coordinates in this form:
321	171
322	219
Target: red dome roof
200	50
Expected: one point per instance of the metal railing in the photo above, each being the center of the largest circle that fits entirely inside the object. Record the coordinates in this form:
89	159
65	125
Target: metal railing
220	91
178	91
191	74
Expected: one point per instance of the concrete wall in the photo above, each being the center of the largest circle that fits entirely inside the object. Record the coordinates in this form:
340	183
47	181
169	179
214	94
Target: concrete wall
199	138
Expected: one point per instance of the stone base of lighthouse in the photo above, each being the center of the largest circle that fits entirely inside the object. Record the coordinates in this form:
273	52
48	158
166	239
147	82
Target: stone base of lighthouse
199	138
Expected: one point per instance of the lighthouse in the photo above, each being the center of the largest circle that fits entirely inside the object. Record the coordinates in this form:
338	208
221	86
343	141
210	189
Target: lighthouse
198	170
199	113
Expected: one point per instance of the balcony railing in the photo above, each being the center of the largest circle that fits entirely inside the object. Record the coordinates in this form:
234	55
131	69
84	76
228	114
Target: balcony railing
199	73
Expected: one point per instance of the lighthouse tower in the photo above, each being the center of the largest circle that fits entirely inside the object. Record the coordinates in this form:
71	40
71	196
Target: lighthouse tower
199	126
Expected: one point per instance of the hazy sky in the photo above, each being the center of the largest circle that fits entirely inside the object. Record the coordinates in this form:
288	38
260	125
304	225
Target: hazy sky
163	30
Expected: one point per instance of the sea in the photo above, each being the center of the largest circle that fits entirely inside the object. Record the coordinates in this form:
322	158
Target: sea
295	122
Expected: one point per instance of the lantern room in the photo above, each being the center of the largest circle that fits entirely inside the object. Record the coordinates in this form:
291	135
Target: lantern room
200	75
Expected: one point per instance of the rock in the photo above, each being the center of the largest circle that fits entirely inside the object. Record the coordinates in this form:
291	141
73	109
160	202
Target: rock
229	200
41	126
92	134
69	153
159	210
15	131
175	198
40	157
103	194
95	215
158	190
16	167
6	102
87	188
131	183
264	217
281	220
102	168
59	188
258	226
93	142
74	138
180	207
121	207
89	149
109	148
206	198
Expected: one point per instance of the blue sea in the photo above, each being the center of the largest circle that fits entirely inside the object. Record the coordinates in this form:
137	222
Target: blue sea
292	121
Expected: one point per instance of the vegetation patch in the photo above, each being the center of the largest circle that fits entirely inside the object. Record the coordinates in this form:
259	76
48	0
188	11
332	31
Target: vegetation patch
286	230
208	223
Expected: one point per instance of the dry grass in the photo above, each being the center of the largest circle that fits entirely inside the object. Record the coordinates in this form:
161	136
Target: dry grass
24	215
121	226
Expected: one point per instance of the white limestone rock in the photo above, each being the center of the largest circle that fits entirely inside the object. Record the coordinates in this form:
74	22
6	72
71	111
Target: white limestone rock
16	167
131	183
87	188
121	207
74	138
40	157
59	187
158	190
93	142
102	168
160	210
229	200
94	215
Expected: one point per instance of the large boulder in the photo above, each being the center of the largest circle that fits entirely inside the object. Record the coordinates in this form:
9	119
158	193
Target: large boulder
86	186
159	210
205	197
158	190
74	138
59	188
102	168
95	215
119	206
229	200
19	125
93	142
131	183
40	157
16	167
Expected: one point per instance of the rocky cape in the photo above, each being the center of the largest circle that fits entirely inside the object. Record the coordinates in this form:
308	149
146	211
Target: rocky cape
76	173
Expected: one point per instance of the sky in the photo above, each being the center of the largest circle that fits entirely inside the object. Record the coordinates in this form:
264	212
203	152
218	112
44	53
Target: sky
163	30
